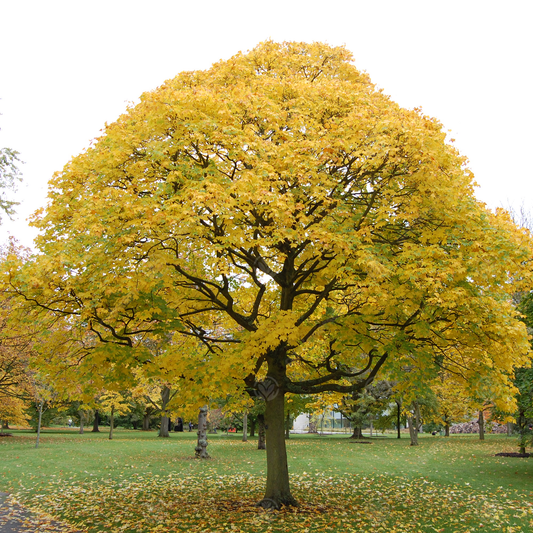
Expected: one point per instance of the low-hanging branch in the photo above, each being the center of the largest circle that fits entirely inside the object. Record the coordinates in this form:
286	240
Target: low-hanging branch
324	383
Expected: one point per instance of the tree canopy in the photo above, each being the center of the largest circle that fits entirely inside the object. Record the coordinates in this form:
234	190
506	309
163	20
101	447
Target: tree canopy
286	219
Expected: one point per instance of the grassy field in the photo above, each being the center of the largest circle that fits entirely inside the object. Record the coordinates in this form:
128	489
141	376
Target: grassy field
140	483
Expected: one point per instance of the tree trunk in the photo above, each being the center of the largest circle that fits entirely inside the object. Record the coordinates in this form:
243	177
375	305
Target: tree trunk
252	426
522	432
414	420
481	422
322	422
146	419
413	433
399	418
5	426
39	423
201	446
163	428
357	433
82	420
288	426
277	491
96	422
165	397
417	418
261	441
509	428
245	427
111	423
446	429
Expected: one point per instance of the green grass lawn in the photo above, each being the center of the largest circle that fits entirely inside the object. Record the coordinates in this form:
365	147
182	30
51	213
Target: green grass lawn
140	483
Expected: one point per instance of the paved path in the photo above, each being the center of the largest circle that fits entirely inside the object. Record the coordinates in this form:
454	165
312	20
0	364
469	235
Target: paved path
15	518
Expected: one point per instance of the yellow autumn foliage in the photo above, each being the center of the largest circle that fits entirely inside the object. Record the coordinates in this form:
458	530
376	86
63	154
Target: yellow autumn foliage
277	214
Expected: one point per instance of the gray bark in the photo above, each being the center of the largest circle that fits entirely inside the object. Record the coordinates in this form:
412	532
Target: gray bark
522	429
165	397
399	418
277	491
481	422
39	423
357	433
261	440
96	422
111	423
201	445
414	422
146	419
413	433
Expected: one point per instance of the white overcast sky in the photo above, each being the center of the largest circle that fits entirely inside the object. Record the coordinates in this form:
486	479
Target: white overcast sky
67	67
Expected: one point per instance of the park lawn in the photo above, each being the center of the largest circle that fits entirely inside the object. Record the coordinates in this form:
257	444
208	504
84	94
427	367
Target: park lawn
140	483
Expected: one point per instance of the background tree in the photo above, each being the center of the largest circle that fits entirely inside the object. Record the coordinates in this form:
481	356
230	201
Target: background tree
14	411
295	405
45	400
524	414
17	341
524	381
369	402
280	213
487	395
9	177
454	403
257	408
146	394
111	403
15	385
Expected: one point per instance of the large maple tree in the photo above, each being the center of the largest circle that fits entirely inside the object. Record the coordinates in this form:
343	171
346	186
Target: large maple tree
298	228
